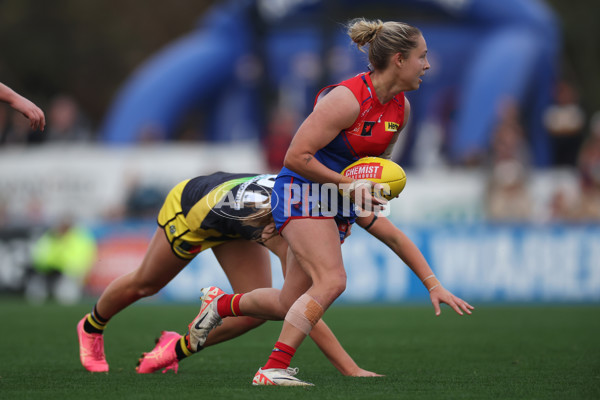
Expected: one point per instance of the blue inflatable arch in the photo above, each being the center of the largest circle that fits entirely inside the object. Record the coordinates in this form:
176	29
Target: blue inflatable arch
484	52
191	70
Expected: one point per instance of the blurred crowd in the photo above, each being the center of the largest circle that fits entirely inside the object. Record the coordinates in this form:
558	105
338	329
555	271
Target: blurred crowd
66	122
575	142
59	262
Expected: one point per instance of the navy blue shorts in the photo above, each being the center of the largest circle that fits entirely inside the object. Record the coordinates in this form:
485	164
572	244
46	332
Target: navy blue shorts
294	197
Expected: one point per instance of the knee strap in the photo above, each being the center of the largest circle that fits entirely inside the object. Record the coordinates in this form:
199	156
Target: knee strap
304	313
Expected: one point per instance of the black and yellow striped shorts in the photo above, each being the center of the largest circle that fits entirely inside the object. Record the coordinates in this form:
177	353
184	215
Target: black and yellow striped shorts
185	243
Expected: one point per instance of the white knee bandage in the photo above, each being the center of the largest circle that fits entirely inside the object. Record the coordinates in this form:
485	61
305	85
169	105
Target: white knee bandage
304	313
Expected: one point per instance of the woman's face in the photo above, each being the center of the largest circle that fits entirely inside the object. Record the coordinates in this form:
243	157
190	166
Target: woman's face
414	66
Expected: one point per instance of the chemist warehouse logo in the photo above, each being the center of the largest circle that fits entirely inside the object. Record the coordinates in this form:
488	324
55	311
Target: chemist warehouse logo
365	171
249	203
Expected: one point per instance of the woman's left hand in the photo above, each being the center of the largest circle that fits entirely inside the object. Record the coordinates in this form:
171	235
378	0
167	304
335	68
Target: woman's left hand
441	295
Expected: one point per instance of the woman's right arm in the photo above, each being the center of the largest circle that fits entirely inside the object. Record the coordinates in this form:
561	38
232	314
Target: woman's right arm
336	111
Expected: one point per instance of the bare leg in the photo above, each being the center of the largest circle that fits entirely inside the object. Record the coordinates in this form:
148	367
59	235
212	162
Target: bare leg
298	282
316	247
158	267
272	303
248	267
314	266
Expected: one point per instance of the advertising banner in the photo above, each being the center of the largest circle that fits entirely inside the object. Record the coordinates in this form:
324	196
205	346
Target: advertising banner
476	261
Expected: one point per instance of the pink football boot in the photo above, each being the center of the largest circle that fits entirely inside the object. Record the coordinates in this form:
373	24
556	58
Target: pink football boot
91	349
162	356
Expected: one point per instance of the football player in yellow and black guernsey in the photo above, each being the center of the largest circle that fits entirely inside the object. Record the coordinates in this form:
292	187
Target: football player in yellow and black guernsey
209	210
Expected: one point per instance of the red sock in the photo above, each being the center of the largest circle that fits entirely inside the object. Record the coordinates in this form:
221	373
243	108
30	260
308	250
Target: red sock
280	357
229	305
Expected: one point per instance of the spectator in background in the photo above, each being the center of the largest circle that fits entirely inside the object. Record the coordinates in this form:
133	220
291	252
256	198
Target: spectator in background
66	122
563	203
589	174
20	127
20	133
507	196
565	120
143	201
281	129
509	140
581	203
61	259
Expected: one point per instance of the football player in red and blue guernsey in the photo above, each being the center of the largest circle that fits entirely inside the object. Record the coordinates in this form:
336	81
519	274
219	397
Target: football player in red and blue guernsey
359	117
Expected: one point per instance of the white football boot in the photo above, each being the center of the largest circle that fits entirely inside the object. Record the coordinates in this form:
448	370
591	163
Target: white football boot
207	319
278	377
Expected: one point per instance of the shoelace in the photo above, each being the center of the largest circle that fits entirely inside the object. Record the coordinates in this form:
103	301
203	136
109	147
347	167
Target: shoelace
292	371
214	321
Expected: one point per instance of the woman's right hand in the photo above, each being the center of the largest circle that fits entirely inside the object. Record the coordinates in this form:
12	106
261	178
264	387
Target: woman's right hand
361	194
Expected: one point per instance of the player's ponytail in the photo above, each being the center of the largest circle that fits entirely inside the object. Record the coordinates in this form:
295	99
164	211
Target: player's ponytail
383	38
363	32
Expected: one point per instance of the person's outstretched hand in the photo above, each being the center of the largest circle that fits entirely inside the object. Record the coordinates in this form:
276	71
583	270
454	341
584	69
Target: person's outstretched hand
31	111
441	295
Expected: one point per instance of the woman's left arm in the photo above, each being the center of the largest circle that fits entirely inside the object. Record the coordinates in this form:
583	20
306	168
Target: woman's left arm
408	252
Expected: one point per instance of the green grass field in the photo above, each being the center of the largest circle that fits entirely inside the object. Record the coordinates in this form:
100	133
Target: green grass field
500	352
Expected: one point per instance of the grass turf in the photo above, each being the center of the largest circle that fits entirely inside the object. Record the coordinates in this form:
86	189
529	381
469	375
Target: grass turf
500	352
